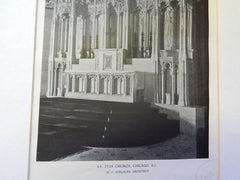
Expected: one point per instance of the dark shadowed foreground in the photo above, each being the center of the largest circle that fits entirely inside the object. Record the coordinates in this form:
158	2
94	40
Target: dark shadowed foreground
69	126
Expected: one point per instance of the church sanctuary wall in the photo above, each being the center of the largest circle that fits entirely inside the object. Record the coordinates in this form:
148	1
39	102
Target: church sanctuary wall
46	48
84	64
145	65
140	64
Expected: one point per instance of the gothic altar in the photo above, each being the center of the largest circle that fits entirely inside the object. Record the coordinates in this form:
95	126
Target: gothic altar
122	50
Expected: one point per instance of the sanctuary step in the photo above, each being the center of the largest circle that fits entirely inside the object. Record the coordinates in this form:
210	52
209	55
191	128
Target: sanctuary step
67	126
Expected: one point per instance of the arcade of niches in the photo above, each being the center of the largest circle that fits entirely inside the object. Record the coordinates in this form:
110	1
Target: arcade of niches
124	51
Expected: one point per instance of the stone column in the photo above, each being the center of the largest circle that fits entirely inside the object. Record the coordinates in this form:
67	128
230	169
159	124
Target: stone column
67	89
98	84
125	85
105	89
105	26
145	31
132	86
118	29
155	49
108	85
65	35
55	82
73	82
84	39
79	35
182	54
189	31
93	32
155	34
50	78
60	93
121	31
141	30
111	84
93	27
96	33
52	53
92	80
85	83
79	83
118	86
173	83
156	80
163	83
53	35
122	87
126	23
168	28
61	38
186	83
71	36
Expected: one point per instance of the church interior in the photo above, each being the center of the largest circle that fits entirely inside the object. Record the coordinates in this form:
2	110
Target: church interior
151	52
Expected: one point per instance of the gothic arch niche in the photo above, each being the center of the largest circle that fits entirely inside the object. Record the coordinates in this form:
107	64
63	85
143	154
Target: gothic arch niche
169	28
83	34
135	35
111	27
62	31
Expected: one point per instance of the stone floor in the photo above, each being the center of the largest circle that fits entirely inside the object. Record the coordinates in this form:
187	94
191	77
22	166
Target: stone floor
179	147
77	130
70	126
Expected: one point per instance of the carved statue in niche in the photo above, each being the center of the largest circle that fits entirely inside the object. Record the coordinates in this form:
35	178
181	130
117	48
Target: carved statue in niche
168	28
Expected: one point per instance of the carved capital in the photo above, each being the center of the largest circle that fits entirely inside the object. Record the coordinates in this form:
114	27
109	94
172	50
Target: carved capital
92	76
80	76
189	7
118	76
104	76
174	68
181	3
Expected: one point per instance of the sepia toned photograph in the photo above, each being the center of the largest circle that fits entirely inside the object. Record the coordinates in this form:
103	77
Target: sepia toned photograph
124	80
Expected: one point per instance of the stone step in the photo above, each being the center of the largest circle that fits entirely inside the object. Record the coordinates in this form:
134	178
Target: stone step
98	114
85	104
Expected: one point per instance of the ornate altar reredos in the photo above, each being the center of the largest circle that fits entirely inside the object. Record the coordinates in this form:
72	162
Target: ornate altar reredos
122	50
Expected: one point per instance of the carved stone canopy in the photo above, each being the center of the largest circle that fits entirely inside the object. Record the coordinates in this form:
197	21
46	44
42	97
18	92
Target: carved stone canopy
145	5
105	76
119	5
92	76
169	65
80	76
63	8
118	76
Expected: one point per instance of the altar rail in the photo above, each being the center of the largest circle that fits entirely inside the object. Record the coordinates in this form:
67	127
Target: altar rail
120	86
